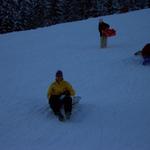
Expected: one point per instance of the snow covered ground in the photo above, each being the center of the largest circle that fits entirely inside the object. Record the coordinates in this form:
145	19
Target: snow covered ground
114	113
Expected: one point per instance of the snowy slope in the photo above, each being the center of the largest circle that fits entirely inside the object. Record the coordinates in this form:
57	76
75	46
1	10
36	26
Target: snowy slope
114	112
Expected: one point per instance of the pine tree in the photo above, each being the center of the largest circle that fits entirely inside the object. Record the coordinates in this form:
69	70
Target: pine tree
27	14
8	10
18	15
39	13
55	11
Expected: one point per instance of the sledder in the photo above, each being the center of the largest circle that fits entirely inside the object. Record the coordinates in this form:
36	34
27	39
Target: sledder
60	94
145	53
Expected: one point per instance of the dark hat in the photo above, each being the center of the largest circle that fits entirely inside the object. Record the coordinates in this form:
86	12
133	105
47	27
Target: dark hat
59	73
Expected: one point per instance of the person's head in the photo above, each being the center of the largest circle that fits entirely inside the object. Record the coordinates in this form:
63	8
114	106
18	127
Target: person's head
59	76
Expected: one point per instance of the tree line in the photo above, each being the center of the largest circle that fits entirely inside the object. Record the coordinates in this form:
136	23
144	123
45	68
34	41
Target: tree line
17	15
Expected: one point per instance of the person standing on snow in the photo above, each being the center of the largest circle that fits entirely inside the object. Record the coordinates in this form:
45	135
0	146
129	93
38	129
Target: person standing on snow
59	96
102	27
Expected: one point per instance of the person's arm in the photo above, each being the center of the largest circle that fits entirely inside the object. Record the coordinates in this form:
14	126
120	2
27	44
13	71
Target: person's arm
70	89
138	53
49	92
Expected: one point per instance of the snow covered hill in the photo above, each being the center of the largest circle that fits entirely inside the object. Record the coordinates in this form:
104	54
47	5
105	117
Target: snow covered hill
114	112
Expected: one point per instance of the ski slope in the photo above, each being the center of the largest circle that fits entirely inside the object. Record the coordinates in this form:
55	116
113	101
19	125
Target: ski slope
114	112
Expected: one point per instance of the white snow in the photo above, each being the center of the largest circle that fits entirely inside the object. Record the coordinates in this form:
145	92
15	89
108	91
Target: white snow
114	113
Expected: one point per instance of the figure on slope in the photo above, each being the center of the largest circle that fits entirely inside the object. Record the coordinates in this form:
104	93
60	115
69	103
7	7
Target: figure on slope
105	32
145	53
60	94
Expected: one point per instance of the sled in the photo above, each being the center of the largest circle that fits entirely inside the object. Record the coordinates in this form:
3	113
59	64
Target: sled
109	32
76	99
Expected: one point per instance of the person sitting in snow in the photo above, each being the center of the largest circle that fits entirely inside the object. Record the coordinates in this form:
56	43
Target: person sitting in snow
145	53
59	96
102	27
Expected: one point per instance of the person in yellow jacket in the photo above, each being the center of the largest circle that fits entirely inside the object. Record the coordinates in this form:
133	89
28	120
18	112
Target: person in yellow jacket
60	94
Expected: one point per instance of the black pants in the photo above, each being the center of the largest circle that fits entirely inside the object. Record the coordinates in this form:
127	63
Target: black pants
56	104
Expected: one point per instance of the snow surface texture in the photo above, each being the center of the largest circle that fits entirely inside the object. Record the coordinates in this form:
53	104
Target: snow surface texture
114	113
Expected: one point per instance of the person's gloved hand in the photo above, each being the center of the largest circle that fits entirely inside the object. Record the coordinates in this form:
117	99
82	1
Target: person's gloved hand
67	93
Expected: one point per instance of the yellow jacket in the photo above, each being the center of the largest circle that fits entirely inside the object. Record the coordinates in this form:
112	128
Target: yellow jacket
58	88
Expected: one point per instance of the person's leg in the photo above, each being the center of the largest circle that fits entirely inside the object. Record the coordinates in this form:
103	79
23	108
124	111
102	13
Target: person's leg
68	106
55	104
103	42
